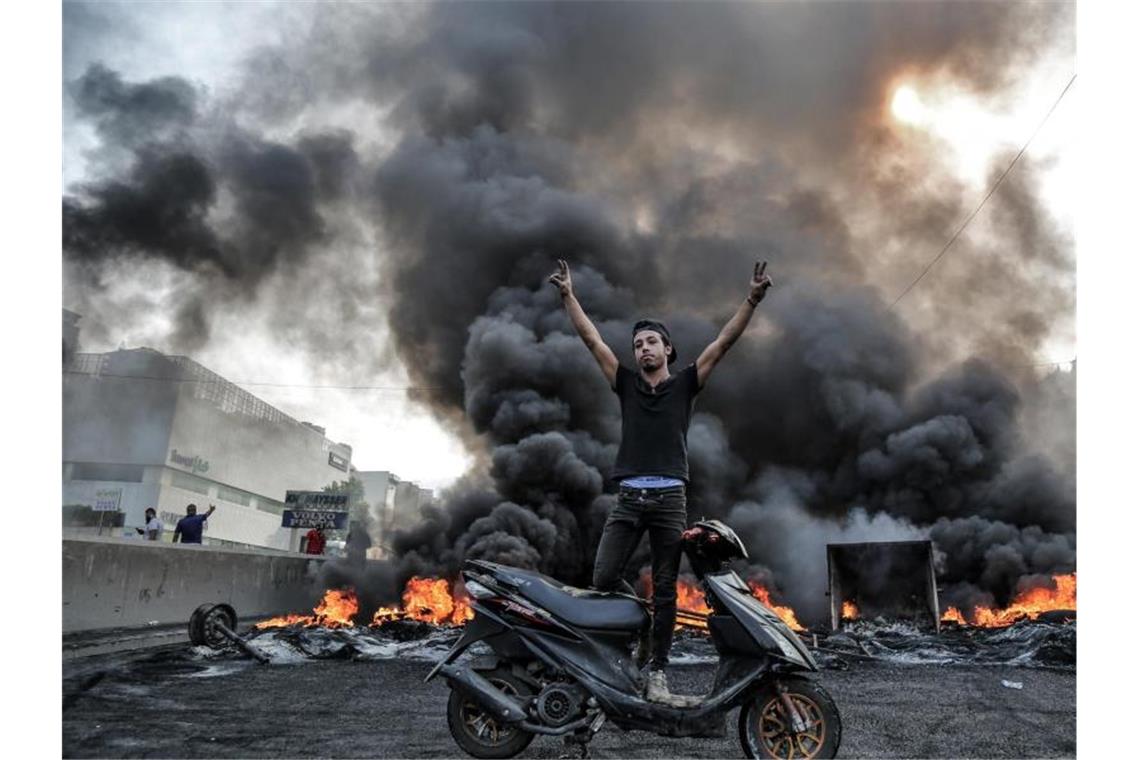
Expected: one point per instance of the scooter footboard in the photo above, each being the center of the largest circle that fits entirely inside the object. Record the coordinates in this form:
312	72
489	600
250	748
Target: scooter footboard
633	712
704	719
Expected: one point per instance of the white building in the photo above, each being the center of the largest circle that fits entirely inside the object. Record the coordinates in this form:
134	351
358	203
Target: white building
393	501
144	429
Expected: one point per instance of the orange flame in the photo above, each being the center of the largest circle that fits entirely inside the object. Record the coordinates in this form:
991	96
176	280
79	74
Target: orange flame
850	611
1028	604
787	614
690	598
953	615
440	602
431	600
335	610
286	620
384	614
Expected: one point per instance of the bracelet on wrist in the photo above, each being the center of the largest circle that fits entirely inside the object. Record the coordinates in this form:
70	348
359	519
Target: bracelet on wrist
752	303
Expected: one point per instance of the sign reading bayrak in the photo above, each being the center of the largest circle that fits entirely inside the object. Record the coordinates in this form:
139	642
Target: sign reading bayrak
192	463
315	509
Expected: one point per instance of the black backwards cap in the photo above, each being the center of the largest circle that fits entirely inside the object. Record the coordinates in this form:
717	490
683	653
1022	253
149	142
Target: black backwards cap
657	326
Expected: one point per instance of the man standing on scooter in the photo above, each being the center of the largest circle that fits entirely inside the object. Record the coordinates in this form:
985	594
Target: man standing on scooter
652	466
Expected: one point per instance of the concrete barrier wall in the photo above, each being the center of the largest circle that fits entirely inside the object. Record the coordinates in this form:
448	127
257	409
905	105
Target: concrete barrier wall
115	582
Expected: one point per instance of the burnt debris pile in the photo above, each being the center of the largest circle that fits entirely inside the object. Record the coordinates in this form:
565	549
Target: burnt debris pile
404	640
1026	643
1049	641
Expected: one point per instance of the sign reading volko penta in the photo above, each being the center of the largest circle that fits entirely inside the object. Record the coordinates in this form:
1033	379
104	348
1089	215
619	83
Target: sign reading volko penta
315	509
314	518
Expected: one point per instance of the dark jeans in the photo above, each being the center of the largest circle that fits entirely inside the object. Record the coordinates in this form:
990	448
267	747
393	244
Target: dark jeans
661	511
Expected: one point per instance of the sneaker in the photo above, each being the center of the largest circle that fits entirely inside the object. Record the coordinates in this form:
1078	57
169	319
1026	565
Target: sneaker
657	690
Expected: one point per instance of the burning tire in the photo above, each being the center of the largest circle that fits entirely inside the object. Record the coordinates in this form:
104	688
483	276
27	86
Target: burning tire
766	731
476	732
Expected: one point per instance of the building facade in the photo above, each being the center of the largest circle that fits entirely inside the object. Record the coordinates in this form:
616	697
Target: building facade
144	429
393	501
70	334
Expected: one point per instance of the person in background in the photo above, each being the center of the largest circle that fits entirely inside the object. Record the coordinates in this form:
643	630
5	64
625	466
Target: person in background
315	541
190	526
152	531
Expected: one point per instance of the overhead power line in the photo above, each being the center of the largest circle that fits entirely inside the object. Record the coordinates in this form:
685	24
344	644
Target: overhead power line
970	218
1044	364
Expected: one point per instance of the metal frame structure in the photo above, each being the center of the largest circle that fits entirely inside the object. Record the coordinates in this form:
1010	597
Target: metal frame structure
896	554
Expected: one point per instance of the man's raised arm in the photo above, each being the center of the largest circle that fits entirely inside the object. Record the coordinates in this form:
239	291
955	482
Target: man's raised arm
735	326
589	334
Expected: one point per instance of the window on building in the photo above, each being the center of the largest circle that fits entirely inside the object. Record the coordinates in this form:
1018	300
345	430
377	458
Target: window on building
189	482
269	505
234	496
127	473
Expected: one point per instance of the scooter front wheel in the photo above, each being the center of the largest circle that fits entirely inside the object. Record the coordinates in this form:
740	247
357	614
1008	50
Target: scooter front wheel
766	730
477	733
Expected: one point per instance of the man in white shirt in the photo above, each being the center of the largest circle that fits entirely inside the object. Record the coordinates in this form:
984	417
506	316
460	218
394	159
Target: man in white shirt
153	529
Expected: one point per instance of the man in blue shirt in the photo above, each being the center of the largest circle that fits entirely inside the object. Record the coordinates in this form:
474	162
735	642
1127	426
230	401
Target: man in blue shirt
190	526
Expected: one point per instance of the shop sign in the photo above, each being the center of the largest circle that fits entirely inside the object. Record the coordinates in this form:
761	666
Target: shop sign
315	500
107	500
314	518
194	464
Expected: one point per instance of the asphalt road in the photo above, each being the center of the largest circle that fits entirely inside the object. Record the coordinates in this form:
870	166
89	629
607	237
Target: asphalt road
160	705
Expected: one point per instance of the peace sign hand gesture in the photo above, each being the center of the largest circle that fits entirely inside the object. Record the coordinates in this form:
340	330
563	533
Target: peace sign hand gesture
561	278
760	283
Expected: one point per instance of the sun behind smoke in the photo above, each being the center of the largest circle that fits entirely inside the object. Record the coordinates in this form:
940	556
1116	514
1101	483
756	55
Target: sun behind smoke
907	107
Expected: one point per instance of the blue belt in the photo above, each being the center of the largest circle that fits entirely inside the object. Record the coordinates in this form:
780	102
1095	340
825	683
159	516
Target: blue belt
651	481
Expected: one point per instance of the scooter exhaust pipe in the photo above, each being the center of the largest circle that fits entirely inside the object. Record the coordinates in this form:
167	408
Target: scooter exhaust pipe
493	701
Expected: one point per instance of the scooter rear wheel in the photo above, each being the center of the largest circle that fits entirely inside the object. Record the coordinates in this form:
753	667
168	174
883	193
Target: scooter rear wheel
477	733
766	730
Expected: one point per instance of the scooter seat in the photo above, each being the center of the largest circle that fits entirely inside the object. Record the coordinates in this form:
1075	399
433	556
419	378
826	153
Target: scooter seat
583	608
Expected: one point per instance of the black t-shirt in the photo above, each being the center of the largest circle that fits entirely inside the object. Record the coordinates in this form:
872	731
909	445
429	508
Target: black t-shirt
654	424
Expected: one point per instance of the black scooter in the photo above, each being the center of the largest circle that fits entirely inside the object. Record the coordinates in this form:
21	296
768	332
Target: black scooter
562	664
